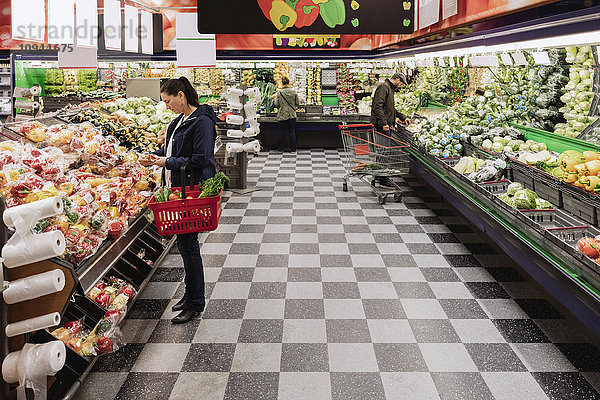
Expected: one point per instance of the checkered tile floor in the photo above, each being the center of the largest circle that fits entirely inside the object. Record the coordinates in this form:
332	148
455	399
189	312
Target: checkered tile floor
320	294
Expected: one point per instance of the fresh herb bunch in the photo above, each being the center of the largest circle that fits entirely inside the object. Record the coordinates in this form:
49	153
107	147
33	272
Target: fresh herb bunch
212	186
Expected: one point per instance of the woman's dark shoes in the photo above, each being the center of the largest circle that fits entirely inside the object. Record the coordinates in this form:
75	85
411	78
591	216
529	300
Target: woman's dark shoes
184	316
179	305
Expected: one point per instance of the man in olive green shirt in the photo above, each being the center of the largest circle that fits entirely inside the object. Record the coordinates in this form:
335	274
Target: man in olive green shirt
286	101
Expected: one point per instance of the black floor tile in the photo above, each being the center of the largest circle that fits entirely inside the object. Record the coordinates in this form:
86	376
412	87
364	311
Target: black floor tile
148	309
566	386
440	275
443	238
304	357
119	361
220	238
272	260
340	290
347	331
409	228
212	260
422	248
539	309
147	386
414	290
267	290
304	274
584	356
209	357
399	260
495	357
399	357
225	309
383	309
252	385
261	331
356	386
462	309
332	238
166	332
487	290
236	275
372	274
335	260
304	309
461	385
520	331
168	275
429	220
250	228
433	331
462	261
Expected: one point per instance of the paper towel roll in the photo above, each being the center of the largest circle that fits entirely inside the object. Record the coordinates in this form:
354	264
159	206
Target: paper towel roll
234	147
37	360
234	119
250	132
252	147
35	90
235	133
47	208
250	109
234	92
234	105
253	94
32	324
34	286
33	248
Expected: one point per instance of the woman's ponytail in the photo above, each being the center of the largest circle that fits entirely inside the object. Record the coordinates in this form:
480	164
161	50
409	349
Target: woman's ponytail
182	84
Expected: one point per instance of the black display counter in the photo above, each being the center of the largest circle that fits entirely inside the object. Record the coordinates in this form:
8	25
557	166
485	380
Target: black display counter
318	131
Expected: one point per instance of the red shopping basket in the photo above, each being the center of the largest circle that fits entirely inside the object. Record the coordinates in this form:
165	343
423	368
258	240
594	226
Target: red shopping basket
187	215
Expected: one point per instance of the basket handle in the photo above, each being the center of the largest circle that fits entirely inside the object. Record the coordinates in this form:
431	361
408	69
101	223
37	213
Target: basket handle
182	171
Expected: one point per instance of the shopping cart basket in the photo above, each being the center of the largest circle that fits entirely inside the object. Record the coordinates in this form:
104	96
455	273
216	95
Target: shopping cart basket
187	215
372	156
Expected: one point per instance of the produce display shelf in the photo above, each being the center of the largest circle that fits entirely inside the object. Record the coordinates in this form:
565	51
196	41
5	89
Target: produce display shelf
555	142
435	105
560	270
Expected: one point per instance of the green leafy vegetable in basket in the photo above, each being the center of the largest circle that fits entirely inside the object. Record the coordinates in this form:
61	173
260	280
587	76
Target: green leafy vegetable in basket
212	186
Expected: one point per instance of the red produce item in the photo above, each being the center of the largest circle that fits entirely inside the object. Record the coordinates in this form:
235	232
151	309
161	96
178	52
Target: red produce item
103	299
583	242
73	236
103	345
74	326
100	285
128	291
115	229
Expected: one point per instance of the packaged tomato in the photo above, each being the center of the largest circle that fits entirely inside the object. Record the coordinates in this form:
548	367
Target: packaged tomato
103	299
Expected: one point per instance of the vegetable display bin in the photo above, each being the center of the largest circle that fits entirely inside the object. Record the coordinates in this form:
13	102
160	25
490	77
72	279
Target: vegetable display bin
522	173
581	204
555	142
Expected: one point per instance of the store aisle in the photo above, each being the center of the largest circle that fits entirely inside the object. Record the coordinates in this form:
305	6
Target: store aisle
320	294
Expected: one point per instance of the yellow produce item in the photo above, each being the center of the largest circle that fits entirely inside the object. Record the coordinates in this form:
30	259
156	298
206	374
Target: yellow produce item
570	177
582	169
590	155
282	15
591	183
593	167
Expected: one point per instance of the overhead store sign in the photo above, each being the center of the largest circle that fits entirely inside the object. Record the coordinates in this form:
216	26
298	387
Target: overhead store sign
306	16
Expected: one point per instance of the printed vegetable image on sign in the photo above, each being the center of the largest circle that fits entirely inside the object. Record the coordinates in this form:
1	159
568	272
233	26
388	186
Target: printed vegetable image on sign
305	17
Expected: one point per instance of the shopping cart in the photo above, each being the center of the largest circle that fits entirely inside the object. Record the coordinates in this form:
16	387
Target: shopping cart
372	156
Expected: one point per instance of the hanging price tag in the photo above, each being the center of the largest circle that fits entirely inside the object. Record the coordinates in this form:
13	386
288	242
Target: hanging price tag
506	59
541	58
451	62
520	59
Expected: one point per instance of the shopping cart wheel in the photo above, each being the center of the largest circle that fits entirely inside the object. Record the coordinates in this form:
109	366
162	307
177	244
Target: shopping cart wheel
398	197
345	186
382	198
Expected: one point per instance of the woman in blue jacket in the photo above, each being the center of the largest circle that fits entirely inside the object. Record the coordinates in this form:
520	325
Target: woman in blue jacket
190	137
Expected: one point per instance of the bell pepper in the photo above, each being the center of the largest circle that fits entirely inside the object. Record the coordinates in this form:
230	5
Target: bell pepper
582	170
265	7
307	12
593	166
591	183
570	177
568	165
333	12
282	15
590	155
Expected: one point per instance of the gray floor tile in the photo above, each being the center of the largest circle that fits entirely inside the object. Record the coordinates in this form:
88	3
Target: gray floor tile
252	385
161	357
209	357
352	357
399	357
513	385
257	357
306	385
212	385
104	384
409	386
341	290
447	357
383	309
304	309
261	331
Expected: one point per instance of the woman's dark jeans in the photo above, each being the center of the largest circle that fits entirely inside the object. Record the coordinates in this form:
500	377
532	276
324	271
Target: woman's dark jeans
189	248
287	126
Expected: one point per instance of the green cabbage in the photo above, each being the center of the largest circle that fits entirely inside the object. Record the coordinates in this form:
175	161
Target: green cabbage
514	188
